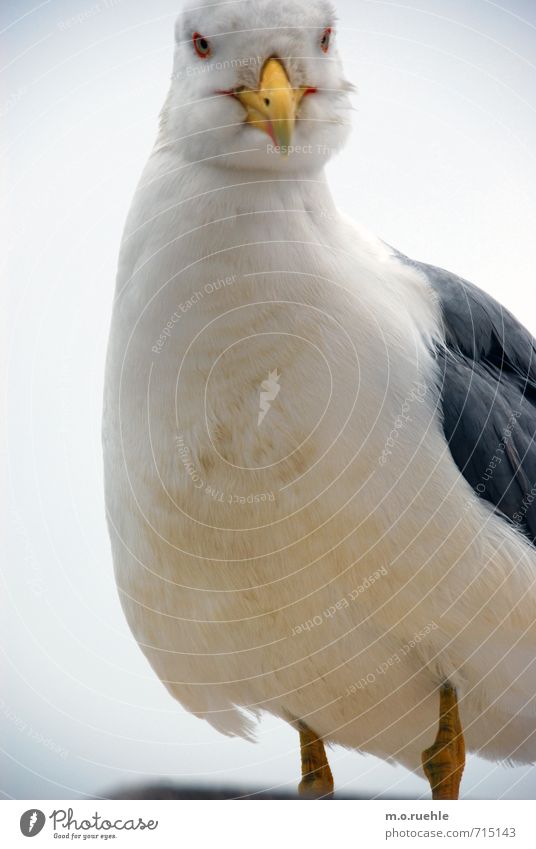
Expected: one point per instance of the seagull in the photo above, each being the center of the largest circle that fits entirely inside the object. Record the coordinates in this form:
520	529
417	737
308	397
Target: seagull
320	468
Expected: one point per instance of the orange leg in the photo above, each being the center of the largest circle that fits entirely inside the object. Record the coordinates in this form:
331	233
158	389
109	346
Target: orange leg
444	761
317	780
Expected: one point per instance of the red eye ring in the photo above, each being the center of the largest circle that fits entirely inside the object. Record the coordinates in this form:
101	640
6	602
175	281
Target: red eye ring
201	45
325	40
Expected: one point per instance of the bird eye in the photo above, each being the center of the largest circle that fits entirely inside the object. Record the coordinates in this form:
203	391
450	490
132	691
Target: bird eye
201	45
325	40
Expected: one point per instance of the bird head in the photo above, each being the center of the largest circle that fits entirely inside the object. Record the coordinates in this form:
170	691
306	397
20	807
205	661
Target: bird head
257	84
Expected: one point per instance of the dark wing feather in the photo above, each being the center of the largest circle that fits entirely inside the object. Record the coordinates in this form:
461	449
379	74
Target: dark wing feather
488	396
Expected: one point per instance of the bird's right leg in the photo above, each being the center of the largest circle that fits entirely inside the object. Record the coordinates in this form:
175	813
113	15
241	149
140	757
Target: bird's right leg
317	780
444	761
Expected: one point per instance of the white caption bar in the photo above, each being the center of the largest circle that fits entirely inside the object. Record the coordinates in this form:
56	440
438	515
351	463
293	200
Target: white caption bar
260	824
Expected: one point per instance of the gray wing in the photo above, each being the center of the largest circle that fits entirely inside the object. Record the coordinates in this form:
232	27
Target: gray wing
488	396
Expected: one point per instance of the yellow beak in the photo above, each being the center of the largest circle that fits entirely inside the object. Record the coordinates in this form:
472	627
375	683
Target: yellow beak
273	107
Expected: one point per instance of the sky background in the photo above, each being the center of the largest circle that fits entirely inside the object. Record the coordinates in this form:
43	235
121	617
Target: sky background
441	164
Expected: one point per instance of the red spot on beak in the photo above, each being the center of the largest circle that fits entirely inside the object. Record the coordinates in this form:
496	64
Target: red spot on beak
271	132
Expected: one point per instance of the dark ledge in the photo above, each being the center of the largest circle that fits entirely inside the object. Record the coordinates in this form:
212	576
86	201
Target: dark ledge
161	790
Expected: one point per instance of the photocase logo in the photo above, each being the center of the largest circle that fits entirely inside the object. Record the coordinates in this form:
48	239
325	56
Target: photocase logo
31	822
269	392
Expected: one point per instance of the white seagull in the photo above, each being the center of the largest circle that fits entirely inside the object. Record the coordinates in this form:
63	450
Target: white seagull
319	456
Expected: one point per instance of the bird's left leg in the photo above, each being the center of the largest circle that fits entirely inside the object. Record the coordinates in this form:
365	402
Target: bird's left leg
317	780
444	761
